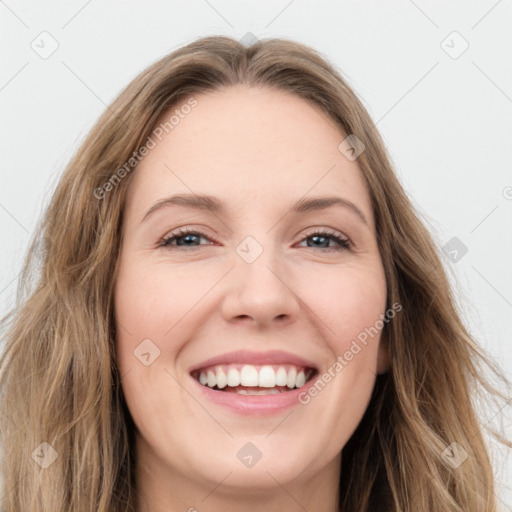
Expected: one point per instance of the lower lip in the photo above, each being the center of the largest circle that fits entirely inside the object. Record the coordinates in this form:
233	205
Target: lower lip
253	404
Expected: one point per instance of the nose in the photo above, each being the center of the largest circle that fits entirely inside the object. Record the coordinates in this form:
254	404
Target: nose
260	293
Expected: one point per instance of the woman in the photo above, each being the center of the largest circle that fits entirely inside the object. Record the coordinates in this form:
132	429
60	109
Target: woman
307	356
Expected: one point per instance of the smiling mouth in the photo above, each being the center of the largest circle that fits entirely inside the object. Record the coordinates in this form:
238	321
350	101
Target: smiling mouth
247	379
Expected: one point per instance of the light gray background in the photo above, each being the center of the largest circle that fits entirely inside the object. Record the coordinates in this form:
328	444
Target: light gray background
446	118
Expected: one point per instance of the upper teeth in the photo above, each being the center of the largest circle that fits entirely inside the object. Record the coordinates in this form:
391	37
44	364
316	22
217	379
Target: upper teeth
266	376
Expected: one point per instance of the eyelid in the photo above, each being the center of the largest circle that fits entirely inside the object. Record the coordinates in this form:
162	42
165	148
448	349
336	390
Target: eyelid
184	231
326	230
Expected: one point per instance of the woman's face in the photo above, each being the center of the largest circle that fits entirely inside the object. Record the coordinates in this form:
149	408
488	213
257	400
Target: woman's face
257	294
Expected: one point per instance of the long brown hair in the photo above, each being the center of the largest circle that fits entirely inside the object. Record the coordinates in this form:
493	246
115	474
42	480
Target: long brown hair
67	436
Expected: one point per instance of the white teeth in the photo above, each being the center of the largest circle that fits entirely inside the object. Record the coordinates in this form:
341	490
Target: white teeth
267	377
212	380
281	377
249	376
292	375
221	379
301	379
233	377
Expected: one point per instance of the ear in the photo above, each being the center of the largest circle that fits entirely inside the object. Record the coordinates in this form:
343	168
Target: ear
383	363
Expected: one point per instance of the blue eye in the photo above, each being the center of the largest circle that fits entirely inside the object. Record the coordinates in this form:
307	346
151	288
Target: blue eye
187	238
182	238
325	235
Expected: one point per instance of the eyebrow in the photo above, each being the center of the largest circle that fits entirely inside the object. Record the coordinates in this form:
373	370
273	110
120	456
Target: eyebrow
215	205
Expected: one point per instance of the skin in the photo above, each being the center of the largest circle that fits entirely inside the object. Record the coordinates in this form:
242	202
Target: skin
258	150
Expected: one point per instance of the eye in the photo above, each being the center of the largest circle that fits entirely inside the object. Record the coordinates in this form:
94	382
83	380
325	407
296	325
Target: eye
184	238
190	238
323	236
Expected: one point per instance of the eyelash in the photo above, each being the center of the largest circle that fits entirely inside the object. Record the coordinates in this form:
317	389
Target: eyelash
343	243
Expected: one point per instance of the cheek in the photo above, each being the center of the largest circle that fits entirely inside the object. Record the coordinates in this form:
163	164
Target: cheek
150	311
159	303
142	313
151	299
349	302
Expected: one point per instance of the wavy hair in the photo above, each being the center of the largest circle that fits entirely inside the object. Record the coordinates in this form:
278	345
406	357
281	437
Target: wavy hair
59	382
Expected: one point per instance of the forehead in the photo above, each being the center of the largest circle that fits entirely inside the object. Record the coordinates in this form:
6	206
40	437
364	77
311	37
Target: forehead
248	146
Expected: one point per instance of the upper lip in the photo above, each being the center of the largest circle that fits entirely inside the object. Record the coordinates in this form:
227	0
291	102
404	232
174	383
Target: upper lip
255	358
